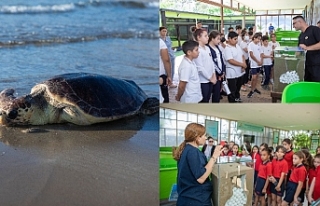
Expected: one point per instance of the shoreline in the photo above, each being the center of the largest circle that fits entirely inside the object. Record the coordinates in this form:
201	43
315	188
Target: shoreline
66	164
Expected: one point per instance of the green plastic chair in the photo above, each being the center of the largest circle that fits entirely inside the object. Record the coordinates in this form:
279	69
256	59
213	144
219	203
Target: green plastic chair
301	92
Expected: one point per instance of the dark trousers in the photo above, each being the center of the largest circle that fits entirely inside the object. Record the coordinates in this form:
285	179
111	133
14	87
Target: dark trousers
246	76
216	92
164	89
234	86
312	73
206	90
267	72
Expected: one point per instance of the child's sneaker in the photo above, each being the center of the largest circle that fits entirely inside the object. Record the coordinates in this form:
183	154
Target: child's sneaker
250	94
257	91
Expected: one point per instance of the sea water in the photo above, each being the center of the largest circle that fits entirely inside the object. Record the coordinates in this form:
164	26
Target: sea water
43	38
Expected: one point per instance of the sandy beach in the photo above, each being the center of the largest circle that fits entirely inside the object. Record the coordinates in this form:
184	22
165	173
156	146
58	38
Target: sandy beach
105	164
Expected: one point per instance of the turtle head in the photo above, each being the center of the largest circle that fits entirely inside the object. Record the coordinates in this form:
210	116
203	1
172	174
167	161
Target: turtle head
14	111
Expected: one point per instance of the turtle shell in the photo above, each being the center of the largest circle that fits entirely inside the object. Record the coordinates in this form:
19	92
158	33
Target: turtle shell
97	95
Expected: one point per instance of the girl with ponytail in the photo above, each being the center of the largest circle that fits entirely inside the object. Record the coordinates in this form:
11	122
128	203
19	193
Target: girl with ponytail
193	184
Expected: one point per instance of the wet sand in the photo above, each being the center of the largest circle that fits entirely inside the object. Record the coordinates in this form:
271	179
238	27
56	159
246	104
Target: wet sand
105	164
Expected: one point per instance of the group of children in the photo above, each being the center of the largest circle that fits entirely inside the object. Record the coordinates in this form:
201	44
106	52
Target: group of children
284	176
209	63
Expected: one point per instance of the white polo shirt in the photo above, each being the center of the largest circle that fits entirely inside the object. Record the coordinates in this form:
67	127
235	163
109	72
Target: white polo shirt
239	40
267	51
188	73
204	64
244	45
257	51
162	45
233	52
275	44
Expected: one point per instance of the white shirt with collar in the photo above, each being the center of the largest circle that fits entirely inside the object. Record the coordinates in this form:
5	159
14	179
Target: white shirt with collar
267	50
233	52
204	64
188	73
162	45
243	45
257	51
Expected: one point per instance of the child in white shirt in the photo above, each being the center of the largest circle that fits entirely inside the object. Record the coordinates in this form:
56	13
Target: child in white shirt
246	158
244	46
205	65
267	55
274	44
189	89
235	67
255	51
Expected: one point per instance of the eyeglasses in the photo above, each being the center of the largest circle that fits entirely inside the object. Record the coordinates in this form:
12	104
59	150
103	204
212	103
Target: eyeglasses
210	141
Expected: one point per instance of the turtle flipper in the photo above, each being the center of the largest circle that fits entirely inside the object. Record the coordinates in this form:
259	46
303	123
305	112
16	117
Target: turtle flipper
150	106
7	94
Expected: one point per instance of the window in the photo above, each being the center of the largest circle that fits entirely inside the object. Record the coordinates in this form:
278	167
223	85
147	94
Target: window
173	124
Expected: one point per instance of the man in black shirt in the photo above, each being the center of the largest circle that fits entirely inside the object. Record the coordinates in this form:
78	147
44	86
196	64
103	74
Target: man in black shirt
309	40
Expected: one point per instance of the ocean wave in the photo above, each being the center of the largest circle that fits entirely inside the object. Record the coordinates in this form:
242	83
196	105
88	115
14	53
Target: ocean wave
21	9
24	9
68	39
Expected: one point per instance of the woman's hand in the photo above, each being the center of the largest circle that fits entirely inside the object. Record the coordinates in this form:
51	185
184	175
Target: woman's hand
217	151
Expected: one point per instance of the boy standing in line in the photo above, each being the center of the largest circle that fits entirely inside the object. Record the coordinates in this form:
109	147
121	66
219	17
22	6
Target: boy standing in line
189	88
255	52
238	31
267	56
164	71
274	44
235	67
163	35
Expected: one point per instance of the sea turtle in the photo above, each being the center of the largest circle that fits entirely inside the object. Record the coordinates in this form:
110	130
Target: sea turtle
78	98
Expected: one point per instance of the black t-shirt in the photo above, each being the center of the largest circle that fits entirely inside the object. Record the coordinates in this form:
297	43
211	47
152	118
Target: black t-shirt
310	37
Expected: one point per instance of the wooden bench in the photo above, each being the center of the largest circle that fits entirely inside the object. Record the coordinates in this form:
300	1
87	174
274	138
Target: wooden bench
276	96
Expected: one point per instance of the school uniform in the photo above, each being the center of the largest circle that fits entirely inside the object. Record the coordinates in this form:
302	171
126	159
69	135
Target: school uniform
233	73
188	73
267	63
312	173
226	155
278	167
316	191
289	157
205	68
232	154
243	45
265	171
168	42
162	74
275	44
298	174
257	51
257	162
220	69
